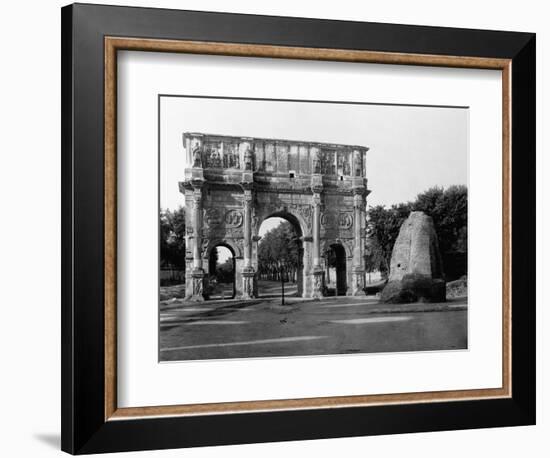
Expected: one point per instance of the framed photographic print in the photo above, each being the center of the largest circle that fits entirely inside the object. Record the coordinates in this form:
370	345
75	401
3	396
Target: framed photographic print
284	228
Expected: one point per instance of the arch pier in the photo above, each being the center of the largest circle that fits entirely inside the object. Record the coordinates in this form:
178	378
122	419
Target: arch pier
233	184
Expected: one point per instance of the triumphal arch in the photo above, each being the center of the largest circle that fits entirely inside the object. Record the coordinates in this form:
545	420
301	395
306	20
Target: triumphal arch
232	184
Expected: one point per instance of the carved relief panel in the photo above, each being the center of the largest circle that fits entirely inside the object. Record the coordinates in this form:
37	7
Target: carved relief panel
344	163
212	154
328	163
231	155
282	157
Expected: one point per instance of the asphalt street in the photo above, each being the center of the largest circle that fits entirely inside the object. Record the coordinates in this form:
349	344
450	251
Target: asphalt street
335	325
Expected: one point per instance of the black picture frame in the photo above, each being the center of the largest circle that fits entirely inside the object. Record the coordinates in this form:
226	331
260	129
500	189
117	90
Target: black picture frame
84	427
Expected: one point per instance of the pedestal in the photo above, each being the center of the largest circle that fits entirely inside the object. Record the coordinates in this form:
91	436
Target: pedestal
249	277
197	279
318	287
357	282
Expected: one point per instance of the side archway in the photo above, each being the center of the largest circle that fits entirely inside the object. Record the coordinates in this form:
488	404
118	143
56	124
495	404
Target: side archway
221	271
335	256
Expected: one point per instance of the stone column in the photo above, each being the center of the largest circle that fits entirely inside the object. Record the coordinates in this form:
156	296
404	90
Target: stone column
316	201
318	270
358	269
197	275
248	270
247	227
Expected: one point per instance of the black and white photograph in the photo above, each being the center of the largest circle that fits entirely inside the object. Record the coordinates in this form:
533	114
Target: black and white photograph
275	229
306	227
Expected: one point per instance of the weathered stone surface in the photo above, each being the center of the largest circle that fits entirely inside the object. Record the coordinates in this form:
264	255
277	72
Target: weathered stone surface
416	270
232	184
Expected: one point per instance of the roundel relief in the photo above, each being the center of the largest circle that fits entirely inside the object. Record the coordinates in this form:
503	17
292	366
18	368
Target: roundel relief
233	218
345	220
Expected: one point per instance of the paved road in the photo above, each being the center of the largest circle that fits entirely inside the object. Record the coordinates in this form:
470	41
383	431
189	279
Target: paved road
263	328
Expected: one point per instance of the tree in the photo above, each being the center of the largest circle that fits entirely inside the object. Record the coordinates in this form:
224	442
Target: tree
332	259
172	238
383	226
375	259
224	271
448	209
213	261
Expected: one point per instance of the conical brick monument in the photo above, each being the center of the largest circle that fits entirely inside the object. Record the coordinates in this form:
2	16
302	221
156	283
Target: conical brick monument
416	270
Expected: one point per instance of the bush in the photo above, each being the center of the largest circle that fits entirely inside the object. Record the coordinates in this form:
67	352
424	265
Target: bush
458	288
414	288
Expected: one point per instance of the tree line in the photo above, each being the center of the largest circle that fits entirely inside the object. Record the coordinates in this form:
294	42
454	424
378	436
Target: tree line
172	239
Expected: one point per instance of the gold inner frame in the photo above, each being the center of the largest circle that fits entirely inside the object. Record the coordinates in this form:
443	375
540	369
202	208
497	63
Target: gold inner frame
112	45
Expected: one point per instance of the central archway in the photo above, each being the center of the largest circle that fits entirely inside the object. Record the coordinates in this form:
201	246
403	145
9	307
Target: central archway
280	253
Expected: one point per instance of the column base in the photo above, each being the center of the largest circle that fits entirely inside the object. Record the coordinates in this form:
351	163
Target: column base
249	280
197	279
358	282
318	286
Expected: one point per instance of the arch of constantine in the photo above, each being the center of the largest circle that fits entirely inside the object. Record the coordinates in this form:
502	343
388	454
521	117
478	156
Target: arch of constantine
232	184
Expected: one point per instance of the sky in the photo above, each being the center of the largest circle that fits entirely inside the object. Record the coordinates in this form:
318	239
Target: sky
412	148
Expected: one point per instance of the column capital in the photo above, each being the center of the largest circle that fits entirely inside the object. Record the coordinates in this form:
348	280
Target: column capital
358	200
247	186
316	199
197	184
197	196
317	188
